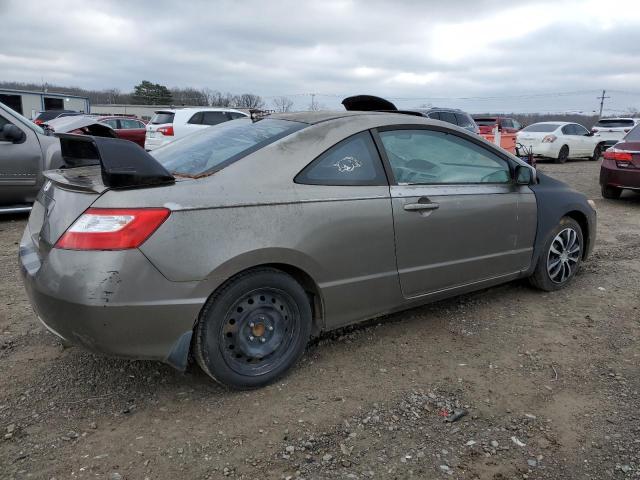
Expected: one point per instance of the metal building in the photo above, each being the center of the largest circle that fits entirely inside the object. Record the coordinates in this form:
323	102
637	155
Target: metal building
29	103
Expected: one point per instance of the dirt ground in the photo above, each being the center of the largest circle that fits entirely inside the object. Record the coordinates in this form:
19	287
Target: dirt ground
549	382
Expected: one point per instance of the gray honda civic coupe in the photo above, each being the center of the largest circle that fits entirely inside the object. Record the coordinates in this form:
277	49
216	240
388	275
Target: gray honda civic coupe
238	243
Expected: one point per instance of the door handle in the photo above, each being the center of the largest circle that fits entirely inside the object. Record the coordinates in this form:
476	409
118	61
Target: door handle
414	207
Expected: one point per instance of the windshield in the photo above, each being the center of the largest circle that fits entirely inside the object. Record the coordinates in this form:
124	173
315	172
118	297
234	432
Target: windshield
614	122
215	147
486	122
22	119
541	127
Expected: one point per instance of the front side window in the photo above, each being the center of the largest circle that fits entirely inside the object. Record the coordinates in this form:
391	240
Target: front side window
211	149
353	161
579	129
432	157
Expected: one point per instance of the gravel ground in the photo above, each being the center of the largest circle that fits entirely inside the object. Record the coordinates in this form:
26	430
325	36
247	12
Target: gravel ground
546	383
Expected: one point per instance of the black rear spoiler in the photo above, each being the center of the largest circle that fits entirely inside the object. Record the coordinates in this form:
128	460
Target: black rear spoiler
122	163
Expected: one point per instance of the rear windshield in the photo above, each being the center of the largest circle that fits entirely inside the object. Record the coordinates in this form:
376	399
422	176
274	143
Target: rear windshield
44	116
541	127
214	148
614	122
486	122
162	117
633	135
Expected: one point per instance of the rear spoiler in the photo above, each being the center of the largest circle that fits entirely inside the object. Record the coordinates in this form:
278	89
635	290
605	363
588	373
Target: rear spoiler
122	163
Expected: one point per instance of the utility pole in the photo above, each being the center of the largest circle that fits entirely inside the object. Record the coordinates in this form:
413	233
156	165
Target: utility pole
602	101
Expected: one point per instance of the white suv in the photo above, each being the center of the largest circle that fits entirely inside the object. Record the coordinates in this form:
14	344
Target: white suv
168	125
611	130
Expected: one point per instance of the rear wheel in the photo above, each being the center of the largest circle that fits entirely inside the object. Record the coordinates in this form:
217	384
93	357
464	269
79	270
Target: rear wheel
596	153
560	260
611	192
563	154
253	329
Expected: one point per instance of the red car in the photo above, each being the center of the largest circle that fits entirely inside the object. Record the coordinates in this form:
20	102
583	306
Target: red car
505	124
621	166
127	127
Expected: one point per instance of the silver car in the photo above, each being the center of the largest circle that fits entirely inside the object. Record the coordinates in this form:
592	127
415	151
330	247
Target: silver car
238	243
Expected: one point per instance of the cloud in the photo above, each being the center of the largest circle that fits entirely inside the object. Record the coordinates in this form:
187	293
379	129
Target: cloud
422	51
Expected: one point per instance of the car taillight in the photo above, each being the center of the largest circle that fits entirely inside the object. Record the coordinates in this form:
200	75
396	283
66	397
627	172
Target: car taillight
617	155
549	139
112	228
167	131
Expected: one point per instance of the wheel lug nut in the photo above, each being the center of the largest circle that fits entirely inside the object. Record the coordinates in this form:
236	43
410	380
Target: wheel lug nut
251	324
270	328
263	340
251	338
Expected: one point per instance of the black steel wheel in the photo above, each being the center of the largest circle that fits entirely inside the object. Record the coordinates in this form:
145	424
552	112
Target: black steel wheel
253	329
560	260
563	154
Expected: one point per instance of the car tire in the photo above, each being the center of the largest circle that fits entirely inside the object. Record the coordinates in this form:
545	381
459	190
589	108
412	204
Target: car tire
561	257
610	192
597	152
253	329
563	154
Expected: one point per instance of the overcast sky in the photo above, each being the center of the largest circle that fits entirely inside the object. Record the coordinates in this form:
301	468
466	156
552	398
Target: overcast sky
525	56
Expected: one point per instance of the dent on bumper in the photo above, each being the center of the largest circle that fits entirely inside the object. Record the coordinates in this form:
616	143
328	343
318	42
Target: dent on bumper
113	303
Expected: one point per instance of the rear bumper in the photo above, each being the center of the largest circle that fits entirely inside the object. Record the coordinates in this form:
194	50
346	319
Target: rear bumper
157	142
544	149
113	303
611	175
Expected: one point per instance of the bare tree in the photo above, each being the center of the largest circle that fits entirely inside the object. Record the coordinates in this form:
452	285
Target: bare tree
282	104
249	100
315	106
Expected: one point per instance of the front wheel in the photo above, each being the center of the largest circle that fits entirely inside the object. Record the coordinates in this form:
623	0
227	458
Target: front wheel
253	329
560	260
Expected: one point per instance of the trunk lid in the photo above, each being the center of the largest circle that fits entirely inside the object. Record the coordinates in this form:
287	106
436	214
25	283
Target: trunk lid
65	195
531	138
633	148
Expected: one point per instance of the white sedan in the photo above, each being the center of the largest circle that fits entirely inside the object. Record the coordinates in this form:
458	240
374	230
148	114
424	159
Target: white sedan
560	141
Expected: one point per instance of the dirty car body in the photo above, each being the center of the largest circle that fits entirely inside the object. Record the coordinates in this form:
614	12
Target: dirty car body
278	229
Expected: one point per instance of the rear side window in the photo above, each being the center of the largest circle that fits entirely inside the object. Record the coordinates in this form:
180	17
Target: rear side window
213	118
434	115
112	122
464	120
212	149
448	117
614	123
128	123
196	119
541	127
162	117
353	161
235	115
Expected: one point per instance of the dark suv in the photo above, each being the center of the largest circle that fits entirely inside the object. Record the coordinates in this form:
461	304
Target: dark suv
451	115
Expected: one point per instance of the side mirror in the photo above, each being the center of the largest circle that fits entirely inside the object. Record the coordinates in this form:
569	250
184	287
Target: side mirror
523	175
13	134
589	134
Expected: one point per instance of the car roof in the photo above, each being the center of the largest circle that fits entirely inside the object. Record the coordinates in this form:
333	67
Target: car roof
198	109
316	117
439	109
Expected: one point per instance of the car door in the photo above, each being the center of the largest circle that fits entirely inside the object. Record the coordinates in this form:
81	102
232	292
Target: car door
133	130
20	165
586	141
459	218
569	138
